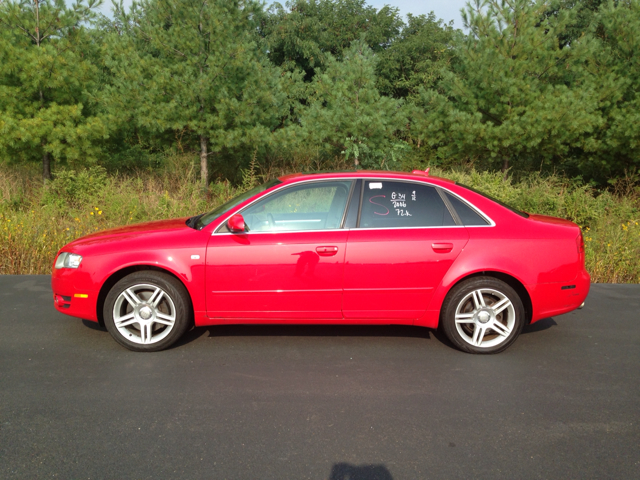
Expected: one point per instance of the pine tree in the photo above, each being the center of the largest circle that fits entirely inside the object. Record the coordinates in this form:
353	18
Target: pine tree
46	78
303	35
614	148
348	115
416	57
515	96
193	66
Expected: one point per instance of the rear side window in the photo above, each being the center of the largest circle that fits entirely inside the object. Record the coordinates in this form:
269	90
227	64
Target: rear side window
388	204
467	215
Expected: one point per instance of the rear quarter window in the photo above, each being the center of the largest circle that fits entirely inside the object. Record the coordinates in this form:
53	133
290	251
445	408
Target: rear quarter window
468	216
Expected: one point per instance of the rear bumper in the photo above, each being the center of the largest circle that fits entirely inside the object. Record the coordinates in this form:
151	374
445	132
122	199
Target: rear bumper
549	299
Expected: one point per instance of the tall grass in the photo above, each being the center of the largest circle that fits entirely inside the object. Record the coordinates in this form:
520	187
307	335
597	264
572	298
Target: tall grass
36	219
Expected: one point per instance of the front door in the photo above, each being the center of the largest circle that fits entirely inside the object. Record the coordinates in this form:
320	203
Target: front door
289	264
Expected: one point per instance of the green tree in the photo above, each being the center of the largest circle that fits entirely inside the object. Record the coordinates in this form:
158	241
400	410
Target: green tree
515	96
416	57
303	34
582	17
615	68
193	67
347	115
46	79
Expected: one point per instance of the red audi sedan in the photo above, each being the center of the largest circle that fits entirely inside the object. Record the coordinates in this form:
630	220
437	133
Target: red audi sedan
363	247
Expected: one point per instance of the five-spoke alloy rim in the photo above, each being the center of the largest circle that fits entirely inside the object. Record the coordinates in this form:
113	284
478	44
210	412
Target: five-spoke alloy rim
485	318
144	314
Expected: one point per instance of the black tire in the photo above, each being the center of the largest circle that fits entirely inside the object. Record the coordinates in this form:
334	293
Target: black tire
479	327
161	315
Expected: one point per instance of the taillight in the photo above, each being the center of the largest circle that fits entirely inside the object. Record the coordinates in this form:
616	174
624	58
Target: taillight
580	244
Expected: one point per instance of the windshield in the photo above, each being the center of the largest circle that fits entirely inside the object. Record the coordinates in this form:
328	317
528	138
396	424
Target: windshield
207	218
514	210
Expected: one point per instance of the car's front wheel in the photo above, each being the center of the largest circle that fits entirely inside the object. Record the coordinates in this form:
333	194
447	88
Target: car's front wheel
147	311
482	315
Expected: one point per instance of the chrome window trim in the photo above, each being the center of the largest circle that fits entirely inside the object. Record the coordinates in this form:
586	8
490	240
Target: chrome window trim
409	228
354	179
342	230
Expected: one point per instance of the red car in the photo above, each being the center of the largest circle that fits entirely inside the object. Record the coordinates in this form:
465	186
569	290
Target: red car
362	247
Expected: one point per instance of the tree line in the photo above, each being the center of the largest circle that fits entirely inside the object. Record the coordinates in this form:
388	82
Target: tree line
529	85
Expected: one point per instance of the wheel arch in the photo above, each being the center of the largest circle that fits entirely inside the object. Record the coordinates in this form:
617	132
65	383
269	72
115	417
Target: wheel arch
118	275
510	280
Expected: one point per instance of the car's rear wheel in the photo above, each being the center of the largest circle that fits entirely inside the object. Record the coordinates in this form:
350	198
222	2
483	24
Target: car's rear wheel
482	315
147	311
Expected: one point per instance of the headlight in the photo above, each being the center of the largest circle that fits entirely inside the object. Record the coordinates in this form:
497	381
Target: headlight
68	260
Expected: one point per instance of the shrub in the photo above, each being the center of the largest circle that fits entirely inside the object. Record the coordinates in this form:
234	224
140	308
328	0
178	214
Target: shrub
74	188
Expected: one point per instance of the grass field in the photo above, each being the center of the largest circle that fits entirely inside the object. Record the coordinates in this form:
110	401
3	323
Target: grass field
36	219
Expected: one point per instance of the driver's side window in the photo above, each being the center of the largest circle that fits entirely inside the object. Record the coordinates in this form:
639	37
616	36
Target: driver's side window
315	206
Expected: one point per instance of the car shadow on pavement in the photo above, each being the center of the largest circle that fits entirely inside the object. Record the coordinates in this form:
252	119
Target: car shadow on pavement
346	471
540	325
279	330
93	325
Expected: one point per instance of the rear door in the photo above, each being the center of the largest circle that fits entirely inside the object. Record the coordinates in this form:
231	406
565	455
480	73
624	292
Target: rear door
405	241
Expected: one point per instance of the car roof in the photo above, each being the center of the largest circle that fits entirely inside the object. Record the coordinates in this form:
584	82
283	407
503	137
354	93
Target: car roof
415	175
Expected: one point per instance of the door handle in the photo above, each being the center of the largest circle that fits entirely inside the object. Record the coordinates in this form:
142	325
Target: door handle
442	247
326	251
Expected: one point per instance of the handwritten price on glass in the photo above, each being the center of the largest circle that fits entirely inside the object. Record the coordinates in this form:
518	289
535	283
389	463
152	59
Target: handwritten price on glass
399	200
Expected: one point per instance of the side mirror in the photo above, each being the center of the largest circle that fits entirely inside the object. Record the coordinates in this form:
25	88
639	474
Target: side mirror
236	223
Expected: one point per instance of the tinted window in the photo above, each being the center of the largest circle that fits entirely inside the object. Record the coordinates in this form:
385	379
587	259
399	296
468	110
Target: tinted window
467	215
316	206
400	204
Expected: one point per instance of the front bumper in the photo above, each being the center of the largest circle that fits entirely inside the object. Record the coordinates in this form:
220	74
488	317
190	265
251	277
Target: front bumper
70	298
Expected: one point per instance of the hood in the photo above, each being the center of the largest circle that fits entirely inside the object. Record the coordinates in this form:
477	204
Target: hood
131	231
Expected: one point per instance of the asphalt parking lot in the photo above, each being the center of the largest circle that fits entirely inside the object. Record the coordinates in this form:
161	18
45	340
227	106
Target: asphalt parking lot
318	402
